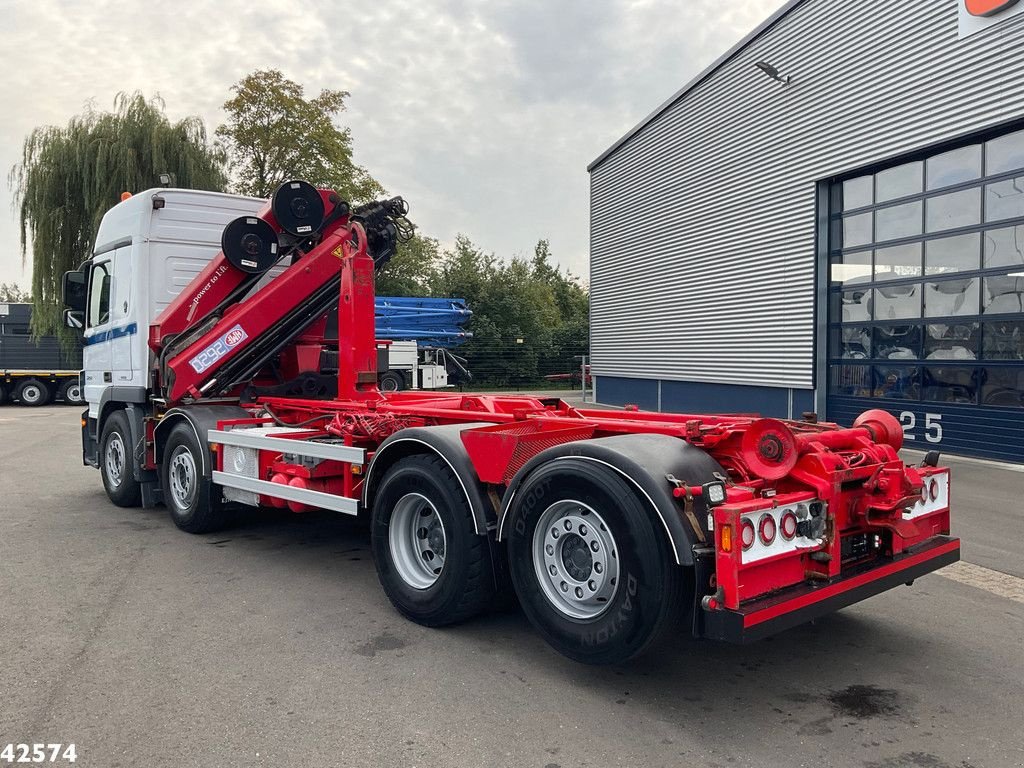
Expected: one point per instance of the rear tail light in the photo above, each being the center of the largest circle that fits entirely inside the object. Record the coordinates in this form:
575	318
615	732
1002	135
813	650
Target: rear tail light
934	496
788	525
747	535
766	528
783	529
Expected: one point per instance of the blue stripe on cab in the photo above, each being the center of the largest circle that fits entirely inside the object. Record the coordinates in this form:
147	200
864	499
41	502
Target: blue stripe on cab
114	333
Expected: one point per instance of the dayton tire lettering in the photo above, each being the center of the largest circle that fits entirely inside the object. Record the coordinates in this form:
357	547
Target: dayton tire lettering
603	635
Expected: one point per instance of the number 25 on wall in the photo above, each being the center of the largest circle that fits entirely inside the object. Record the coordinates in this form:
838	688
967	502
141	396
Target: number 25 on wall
932	426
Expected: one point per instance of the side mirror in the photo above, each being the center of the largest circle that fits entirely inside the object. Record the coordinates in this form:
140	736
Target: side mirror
75	289
74	318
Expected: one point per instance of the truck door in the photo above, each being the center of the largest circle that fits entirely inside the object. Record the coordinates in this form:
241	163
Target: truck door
97	358
122	327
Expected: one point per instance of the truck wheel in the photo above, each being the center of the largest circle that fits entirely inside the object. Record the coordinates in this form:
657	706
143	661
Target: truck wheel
116	462
71	393
391	381
3	394
592	571
195	503
33	392
433	566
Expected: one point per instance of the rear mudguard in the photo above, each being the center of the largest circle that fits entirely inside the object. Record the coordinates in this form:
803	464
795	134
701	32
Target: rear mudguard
201	419
645	461
445	442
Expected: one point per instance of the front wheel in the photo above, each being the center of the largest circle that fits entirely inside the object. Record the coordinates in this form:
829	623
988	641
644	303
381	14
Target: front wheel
593	572
117	462
194	502
434	567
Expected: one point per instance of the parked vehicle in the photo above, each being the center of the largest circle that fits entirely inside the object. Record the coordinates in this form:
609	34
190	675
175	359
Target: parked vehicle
229	393
416	337
35	371
407	365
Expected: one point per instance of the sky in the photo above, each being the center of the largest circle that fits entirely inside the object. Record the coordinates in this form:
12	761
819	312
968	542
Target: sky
483	115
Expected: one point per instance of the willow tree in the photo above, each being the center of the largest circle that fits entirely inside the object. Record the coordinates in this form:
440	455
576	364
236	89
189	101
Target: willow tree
69	176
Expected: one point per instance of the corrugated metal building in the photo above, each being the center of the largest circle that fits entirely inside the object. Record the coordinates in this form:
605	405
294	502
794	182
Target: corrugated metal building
851	238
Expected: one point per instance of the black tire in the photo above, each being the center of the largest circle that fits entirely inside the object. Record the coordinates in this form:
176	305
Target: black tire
464	585
117	462
3	394
623	618
193	501
33	393
391	381
71	392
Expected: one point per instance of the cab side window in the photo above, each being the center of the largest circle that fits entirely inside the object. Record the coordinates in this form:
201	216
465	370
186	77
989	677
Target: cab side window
99	295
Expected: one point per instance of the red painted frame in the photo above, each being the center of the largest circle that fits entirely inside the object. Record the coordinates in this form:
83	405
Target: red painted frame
767	462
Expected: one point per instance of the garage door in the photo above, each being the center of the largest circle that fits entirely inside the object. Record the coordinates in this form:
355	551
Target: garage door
926	298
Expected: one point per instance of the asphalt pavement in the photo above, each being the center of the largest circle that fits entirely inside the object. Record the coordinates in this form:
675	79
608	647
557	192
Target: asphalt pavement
272	644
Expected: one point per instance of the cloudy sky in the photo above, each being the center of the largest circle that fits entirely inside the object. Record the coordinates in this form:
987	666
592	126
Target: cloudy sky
484	115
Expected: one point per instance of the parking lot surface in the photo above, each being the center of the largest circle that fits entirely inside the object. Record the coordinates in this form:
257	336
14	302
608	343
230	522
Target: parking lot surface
272	644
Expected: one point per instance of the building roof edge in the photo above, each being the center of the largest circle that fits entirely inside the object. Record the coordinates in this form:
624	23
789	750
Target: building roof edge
758	31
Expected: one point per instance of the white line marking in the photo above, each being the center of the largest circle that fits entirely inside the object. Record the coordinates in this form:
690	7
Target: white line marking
917	455
996	582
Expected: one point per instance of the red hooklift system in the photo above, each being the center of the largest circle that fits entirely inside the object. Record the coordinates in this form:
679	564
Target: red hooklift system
604	521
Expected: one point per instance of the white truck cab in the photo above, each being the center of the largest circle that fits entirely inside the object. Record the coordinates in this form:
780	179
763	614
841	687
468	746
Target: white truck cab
412	367
148	249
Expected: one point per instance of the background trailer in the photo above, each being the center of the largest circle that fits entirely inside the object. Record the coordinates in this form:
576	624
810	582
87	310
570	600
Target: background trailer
832	219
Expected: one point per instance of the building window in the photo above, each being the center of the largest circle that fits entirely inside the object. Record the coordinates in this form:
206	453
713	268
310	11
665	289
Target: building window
926	279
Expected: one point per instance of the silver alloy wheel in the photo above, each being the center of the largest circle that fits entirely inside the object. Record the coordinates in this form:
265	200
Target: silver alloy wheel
31	394
575	559
181	476
73	394
417	540
114	459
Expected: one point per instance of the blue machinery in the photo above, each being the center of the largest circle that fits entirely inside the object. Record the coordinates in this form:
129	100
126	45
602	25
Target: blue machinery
428	322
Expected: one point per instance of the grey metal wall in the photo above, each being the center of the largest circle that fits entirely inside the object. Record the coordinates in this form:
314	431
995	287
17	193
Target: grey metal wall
703	221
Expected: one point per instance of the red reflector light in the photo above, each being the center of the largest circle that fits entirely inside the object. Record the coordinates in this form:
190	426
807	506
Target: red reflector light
924	493
747	535
766	528
788	526
933	489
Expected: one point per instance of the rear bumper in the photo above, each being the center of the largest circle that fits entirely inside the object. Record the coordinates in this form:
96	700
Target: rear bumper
800	604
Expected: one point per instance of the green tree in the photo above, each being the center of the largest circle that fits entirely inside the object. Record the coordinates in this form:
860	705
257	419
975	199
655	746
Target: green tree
12	293
70	176
411	271
466	272
571	334
516	321
570	295
274	133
